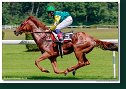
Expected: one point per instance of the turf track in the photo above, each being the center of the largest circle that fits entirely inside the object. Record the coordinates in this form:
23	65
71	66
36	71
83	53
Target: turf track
18	64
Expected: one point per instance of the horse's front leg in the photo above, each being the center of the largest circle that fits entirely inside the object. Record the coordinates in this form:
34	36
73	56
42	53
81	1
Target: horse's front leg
44	56
55	67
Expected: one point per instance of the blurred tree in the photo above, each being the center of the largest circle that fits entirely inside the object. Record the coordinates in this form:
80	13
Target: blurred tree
83	13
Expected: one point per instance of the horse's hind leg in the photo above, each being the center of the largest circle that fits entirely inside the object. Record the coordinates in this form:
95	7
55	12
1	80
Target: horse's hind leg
44	56
82	60
80	63
86	61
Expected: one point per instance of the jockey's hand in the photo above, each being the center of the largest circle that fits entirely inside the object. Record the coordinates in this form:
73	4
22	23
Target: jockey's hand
48	30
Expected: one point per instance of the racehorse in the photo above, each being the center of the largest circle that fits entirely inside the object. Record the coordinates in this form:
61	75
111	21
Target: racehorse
81	44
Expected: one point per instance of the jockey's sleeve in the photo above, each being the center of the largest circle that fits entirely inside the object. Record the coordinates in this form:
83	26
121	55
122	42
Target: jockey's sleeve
56	22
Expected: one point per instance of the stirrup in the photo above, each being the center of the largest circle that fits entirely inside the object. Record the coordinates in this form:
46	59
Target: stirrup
61	41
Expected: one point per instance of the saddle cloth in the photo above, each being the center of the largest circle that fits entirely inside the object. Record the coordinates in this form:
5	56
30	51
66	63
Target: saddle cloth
66	36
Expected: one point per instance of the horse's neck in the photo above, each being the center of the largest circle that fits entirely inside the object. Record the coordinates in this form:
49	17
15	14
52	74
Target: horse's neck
41	37
38	36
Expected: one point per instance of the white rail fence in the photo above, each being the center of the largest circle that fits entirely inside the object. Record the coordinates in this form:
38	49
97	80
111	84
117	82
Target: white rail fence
33	42
11	27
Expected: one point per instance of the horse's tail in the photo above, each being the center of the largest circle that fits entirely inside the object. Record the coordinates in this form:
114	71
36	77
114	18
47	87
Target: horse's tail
106	45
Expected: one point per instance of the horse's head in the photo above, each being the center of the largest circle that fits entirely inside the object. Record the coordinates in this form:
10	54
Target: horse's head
28	25
24	27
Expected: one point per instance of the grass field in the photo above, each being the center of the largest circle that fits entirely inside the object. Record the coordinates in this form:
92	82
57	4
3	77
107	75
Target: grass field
18	64
100	34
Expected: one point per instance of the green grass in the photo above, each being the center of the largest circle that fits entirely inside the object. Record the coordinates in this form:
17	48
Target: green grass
99	34
9	35
18	64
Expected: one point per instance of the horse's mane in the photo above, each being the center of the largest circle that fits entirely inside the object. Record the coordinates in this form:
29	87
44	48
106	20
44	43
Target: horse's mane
37	22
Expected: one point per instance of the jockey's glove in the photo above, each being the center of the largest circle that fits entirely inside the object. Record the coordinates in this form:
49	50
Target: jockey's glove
53	27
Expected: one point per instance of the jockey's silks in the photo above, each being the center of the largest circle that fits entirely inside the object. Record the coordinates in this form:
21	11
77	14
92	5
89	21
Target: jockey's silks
59	16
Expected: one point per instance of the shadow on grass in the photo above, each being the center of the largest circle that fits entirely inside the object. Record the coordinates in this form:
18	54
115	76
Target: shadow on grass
99	78
51	78
39	78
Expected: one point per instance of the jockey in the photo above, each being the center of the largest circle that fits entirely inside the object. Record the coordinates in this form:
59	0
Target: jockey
61	20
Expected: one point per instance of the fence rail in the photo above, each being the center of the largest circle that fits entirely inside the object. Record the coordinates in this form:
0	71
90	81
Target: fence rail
33	42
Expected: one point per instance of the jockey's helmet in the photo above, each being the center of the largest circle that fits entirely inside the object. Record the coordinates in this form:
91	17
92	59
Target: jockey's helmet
50	8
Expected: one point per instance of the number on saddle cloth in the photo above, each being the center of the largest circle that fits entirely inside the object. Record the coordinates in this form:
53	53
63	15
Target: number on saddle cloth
66	36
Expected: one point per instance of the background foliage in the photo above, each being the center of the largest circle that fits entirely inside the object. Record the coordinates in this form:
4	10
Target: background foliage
31	47
83	13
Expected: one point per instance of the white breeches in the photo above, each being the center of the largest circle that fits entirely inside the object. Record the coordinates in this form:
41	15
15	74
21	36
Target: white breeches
65	23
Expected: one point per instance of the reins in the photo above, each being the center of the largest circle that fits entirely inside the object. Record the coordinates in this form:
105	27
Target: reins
38	32
44	36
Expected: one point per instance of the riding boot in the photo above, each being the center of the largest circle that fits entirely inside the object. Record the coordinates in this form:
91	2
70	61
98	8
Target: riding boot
60	37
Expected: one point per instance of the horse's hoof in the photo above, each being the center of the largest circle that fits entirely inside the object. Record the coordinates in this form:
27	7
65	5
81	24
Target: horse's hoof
65	73
47	71
87	63
74	72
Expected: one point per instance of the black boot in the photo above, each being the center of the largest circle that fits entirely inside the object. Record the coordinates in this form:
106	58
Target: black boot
60	37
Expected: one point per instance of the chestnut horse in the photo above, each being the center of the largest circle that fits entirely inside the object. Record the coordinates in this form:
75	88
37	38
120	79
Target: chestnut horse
81	44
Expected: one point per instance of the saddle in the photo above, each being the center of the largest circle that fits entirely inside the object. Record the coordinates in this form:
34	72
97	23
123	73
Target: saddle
66	38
